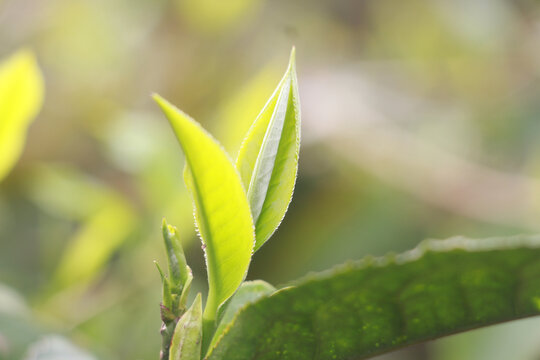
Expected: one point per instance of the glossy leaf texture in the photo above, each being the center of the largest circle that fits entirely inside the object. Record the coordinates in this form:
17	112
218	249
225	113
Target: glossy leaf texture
268	158
222	212
381	304
187	338
21	97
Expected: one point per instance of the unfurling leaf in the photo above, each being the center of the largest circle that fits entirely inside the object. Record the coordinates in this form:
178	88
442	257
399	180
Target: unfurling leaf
187	338
178	269
21	96
222	211
268	158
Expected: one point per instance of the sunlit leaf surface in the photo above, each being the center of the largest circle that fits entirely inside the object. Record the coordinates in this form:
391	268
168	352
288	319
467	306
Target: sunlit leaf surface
268	158
381	304
21	96
221	208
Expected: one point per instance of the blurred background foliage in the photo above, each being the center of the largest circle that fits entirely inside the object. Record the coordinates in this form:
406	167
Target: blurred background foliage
420	120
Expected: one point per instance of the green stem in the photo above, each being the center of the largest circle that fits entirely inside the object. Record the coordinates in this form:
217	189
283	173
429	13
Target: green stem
209	323
167	331
209	327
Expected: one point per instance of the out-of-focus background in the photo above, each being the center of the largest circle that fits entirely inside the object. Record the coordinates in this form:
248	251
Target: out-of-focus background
421	119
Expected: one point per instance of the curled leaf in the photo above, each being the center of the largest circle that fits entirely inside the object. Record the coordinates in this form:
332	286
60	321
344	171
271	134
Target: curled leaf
268	158
178	269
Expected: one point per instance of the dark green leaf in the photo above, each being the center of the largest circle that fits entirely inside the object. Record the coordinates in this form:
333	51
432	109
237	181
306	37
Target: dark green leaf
249	292
380	304
187	338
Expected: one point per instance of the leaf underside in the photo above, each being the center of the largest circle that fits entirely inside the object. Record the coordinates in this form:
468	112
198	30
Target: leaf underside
381	304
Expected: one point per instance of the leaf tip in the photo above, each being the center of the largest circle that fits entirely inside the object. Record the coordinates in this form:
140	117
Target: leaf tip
163	223
292	58
166	229
161	274
157	98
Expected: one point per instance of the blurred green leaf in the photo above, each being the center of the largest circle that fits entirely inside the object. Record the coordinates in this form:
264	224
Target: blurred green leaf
249	292
236	114
215	15
17	327
221	209
11	302
268	158
81	197
95	242
21	96
381	304
16	334
54	347
187	338
104	218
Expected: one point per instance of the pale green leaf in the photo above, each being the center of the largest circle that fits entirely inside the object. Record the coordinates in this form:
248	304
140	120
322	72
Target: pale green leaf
381	304
82	196
18	327
237	112
21	96
95	242
55	347
187	338
221	209
104	219
249	292
268	158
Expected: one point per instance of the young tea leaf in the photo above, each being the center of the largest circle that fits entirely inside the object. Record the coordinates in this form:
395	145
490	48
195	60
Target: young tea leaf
268	158
187	338
221	209
178	269
21	96
379	305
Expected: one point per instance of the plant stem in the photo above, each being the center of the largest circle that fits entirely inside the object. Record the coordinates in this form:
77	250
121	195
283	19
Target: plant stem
209	322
